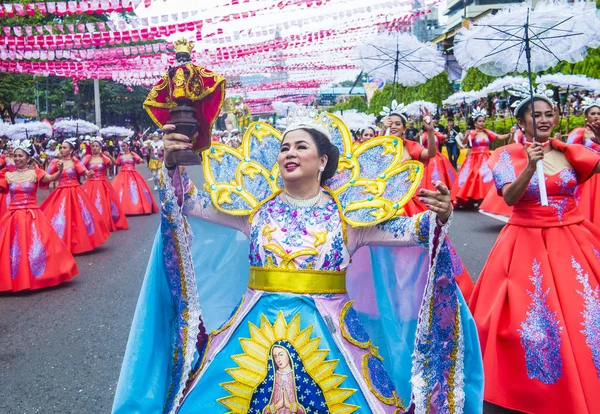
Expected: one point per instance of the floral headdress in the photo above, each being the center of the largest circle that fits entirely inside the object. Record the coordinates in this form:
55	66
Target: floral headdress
589	103
308	118
97	139
24	145
522	93
479	112
394	109
72	141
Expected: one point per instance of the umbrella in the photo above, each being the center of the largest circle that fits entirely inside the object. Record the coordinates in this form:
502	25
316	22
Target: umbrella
467	97
501	84
414	108
400	57
24	131
523	38
575	82
116	131
355	120
75	126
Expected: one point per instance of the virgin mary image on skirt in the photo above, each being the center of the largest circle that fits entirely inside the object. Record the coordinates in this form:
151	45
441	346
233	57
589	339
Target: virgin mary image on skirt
251	303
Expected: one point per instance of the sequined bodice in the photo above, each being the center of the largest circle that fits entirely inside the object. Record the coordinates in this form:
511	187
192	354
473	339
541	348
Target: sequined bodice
480	142
127	162
69	175
298	237
22	187
96	164
591	144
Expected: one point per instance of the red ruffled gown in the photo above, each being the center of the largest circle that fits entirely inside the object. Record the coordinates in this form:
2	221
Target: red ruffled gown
474	177
9	164
537	302
134	193
412	151
588	193
438	168
102	193
32	256
72	213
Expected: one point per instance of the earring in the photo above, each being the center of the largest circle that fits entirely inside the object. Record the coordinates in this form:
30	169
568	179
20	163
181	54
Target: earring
321	169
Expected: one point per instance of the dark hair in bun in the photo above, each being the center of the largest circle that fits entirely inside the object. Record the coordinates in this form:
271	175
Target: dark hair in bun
325	147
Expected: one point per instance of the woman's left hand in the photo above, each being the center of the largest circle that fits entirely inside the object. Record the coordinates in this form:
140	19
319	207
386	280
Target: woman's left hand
89	173
437	201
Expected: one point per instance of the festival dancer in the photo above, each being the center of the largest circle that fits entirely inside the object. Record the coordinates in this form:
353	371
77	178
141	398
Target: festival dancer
536	301
70	211
439	167
32	256
474	177
134	193
6	161
156	158
289	347
588	193
99	189
395	124
366	134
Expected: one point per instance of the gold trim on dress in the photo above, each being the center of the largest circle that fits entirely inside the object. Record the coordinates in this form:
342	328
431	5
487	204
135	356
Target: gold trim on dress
297	281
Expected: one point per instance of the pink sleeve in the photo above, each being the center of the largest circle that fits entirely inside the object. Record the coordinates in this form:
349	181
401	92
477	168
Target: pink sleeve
136	157
106	160
39	173
3	183
86	160
576	136
491	135
119	160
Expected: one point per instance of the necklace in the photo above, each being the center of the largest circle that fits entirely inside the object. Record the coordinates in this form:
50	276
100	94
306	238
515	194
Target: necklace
310	202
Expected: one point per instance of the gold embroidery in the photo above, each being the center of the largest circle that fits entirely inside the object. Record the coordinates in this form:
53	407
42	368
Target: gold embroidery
394	400
344	331
297	281
267	230
320	238
21	176
252	365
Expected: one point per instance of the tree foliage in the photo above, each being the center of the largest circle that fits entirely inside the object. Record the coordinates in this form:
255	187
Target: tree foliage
475	80
355	102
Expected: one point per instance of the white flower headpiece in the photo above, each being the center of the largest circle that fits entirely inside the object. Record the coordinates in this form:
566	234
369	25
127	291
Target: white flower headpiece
97	139
308	118
589	103
394	109
522	93
126	141
24	145
479	112
72	141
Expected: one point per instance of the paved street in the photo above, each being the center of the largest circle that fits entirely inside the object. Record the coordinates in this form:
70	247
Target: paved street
61	348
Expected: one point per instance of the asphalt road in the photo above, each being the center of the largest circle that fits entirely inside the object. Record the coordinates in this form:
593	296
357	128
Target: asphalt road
61	348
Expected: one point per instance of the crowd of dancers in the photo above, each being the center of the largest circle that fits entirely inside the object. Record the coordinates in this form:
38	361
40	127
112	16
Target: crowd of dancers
37	242
536	304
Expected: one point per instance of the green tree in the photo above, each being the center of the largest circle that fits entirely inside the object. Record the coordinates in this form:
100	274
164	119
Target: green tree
475	80
15	88
355	102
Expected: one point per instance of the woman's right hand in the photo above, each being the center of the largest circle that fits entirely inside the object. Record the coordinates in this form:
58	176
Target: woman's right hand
535	152
387	122
173	141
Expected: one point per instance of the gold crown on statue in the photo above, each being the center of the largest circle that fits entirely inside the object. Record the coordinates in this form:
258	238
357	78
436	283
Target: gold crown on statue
183	46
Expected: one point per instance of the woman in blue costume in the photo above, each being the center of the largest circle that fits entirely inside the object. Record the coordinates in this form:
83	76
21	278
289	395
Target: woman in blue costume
302	203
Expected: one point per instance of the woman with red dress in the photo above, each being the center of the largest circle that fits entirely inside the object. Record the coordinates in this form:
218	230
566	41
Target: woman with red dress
394	124
493	205
474	177
99	189
32	256
6	161
439	167
536	303
134	194
588	193
71	212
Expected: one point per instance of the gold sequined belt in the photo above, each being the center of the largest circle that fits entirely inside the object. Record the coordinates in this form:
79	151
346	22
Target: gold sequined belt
297	281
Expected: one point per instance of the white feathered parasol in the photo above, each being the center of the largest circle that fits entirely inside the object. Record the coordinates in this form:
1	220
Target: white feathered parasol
283	108
575	82
116	131
501	84
463	97
414	108
75	126
26	130
355	120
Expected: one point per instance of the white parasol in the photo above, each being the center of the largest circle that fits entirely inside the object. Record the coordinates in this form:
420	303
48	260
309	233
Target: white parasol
116	131
575	82
522	38
355	120
414	108
467	97
26	130
75	126
502	84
